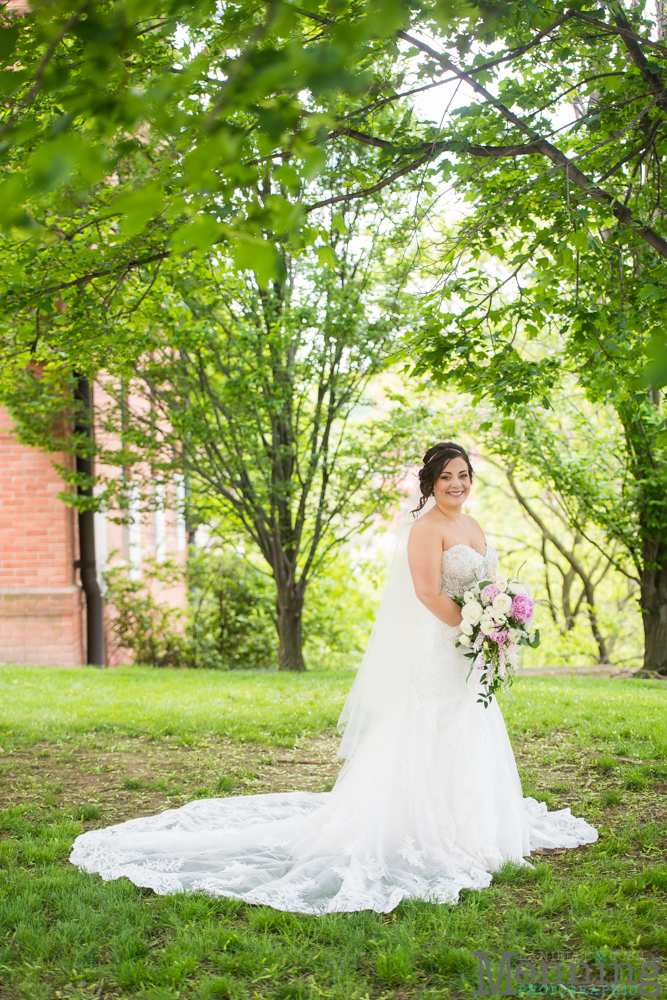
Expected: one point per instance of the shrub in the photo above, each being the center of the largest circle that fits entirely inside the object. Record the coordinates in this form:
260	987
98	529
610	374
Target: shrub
152	630
340	607
230	621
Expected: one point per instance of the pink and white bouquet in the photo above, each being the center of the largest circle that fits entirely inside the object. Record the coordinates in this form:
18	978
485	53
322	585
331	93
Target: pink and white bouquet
497	618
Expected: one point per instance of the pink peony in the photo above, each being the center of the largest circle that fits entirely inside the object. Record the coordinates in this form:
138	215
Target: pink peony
501	636
522	608
489	592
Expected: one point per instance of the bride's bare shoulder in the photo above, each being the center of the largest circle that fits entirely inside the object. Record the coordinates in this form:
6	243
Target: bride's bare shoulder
426	529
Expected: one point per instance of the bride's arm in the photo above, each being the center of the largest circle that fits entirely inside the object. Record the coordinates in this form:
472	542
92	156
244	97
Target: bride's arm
425	561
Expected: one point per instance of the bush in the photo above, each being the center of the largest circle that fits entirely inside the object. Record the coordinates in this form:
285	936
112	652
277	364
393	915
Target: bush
153	631
341	602
230	621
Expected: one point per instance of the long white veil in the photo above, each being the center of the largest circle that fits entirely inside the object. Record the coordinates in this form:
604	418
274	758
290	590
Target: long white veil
383	678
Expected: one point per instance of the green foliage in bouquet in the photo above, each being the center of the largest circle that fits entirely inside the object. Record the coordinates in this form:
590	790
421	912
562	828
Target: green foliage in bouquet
496	618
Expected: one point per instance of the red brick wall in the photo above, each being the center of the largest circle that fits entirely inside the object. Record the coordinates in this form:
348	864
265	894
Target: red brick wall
41	607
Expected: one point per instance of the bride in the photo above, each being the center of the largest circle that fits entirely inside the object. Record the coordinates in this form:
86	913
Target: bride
429	799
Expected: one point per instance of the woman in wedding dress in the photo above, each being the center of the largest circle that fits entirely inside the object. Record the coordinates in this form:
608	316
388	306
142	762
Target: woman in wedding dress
429	800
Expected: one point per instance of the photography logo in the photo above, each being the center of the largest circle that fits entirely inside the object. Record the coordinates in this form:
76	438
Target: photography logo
522	977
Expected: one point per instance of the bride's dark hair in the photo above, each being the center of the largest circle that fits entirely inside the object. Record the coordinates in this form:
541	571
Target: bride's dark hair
435	459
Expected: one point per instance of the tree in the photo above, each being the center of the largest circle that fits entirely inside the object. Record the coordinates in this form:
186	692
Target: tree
562	272
258	394
540	477
256	389
574	568
149	132
133	134
565	553
580	244
576	452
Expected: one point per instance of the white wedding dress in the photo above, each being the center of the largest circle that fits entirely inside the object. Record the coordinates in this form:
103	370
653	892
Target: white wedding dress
429	800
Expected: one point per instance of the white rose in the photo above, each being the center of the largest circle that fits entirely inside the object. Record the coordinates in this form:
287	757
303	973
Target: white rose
517	588
465	627
471	612
464	640
487	626
502	603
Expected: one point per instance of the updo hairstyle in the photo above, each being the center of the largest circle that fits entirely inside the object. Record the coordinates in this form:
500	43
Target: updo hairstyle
435	460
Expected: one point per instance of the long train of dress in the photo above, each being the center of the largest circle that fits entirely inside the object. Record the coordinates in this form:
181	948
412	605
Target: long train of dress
430	804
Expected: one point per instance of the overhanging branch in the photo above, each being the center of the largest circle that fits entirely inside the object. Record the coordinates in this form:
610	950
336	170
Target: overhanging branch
572	172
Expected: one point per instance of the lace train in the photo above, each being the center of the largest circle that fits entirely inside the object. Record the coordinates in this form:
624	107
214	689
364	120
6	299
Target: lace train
241	847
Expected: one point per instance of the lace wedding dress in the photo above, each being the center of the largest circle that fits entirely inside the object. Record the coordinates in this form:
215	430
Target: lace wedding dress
428	802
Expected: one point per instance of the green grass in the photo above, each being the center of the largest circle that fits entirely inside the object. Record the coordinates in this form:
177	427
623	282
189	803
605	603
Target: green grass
70	935
40	703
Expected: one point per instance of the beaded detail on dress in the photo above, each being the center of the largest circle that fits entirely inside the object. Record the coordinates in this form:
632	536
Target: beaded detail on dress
462	565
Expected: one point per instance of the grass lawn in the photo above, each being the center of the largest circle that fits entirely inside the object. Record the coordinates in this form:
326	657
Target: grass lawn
84	748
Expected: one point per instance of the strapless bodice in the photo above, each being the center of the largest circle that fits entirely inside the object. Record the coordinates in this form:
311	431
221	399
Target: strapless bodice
462	565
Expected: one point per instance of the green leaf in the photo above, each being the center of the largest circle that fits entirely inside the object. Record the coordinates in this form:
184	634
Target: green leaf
138	207
12	194
338	224
649	291
198	234
256	255
8	39
325	256
51	166
314	160
655	372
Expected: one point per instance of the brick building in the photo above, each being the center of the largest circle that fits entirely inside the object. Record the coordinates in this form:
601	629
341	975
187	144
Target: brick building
42	604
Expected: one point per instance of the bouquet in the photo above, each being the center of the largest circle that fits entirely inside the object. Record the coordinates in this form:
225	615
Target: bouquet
497	618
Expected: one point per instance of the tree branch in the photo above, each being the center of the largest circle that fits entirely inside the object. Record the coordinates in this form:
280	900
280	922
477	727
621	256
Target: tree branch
622	28
364	192
572	560
557	157
105	272
651	79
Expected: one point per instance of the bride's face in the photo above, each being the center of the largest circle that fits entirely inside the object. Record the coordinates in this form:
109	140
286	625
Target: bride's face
452	486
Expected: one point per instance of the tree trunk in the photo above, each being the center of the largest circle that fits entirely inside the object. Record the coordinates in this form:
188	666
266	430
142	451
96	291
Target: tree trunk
290	635
654	605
